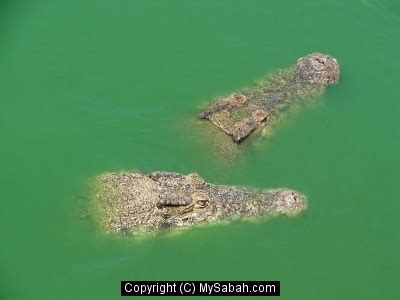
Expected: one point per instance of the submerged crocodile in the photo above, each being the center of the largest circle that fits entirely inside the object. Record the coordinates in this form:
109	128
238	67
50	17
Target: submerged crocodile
241	113
136	202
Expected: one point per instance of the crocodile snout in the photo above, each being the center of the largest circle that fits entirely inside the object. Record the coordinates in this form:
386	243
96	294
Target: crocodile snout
290	202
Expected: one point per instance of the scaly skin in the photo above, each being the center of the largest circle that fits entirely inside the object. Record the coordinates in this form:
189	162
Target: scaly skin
243	112
135	202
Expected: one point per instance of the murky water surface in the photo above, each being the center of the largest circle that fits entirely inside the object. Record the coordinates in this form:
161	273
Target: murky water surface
92	88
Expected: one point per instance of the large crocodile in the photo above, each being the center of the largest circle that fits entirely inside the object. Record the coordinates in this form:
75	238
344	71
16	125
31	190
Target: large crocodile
241	113
136	202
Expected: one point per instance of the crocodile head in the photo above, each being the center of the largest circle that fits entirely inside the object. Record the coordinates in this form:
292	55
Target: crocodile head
211	203
317	68
135	202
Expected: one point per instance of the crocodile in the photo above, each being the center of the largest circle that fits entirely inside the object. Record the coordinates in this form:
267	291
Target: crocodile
133	202
243	112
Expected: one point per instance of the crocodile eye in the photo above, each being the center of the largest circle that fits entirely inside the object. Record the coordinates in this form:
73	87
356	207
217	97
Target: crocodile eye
200	200
201	203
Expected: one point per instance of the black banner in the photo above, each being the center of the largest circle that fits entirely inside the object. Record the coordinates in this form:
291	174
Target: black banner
200	288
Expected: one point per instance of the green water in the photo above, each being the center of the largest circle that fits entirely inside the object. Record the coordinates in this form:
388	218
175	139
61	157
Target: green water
90	88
